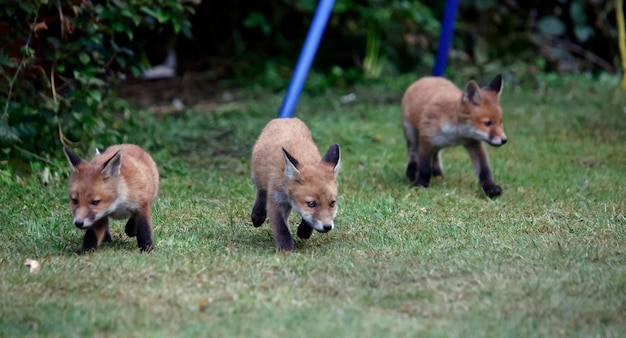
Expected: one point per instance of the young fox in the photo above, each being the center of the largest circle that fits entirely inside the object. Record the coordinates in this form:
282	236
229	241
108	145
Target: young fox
437	114
289	173
120	183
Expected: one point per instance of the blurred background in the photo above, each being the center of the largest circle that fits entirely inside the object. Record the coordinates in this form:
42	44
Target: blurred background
69	67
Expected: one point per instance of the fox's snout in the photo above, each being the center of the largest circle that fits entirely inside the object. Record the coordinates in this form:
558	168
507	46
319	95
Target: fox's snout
321	226
326	227
497	141
82	222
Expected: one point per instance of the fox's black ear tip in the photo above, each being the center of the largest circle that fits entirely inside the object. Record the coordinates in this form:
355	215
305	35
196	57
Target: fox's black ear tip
333	149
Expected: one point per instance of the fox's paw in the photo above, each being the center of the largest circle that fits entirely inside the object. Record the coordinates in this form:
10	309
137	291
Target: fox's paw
145	245
258	219
421	183
304	230
146	248
492	190
259	214
83	250
285	245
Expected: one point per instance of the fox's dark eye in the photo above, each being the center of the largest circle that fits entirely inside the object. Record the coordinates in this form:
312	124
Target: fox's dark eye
488	123
332	204
74	201
311	204
95	202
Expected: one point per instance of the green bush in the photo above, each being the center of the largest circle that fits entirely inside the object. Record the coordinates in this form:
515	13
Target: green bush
58	65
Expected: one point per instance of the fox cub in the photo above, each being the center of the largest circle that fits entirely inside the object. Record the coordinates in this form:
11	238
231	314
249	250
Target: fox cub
120	183
289	173
436	114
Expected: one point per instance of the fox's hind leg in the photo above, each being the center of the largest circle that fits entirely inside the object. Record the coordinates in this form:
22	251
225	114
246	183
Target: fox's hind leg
131	228
144	228
412	136
259	210
305	230
425	170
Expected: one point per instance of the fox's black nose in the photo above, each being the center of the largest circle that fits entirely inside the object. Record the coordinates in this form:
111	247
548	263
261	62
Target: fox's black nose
503	141
327	227
79	223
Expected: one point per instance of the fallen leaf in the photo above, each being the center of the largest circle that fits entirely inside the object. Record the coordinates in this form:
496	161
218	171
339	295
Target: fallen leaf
33	265
202	305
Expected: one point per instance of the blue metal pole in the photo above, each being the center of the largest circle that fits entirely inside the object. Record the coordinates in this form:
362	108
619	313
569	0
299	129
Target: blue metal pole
445	39
322	13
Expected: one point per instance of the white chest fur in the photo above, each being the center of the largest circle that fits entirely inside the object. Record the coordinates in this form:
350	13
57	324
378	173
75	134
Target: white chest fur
454	135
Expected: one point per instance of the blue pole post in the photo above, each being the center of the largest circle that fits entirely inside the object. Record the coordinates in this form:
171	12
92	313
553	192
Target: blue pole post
322	13
445	39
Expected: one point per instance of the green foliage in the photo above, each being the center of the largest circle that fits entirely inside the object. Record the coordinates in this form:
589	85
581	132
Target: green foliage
59	65
362	39
530	37
546	259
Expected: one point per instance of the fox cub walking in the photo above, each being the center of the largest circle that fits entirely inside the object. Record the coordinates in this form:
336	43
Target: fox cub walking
289	173
436	114
120	183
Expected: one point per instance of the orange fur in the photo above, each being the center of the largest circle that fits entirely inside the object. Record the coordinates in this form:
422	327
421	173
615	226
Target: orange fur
289	172
120	183
436	114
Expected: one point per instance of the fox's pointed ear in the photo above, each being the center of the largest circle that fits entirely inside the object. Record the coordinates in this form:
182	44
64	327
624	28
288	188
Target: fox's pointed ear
472	95
111	168
291	166
72	158
496	84
332	157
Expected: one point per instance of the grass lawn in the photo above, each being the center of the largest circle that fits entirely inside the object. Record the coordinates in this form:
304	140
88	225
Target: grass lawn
547	258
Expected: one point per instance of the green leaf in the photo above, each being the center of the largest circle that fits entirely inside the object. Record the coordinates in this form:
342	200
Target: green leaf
5	61
551	26
96	95
583	33
160	15
84	58
577	13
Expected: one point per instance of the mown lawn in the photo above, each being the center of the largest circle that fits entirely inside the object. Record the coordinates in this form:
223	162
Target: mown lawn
547	258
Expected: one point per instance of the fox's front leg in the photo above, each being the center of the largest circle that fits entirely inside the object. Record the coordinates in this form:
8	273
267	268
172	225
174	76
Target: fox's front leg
95	235
143	225
305	230
259	210
131	228
480	161
278	218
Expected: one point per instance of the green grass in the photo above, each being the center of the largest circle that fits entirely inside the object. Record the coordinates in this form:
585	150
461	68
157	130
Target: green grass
548	258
